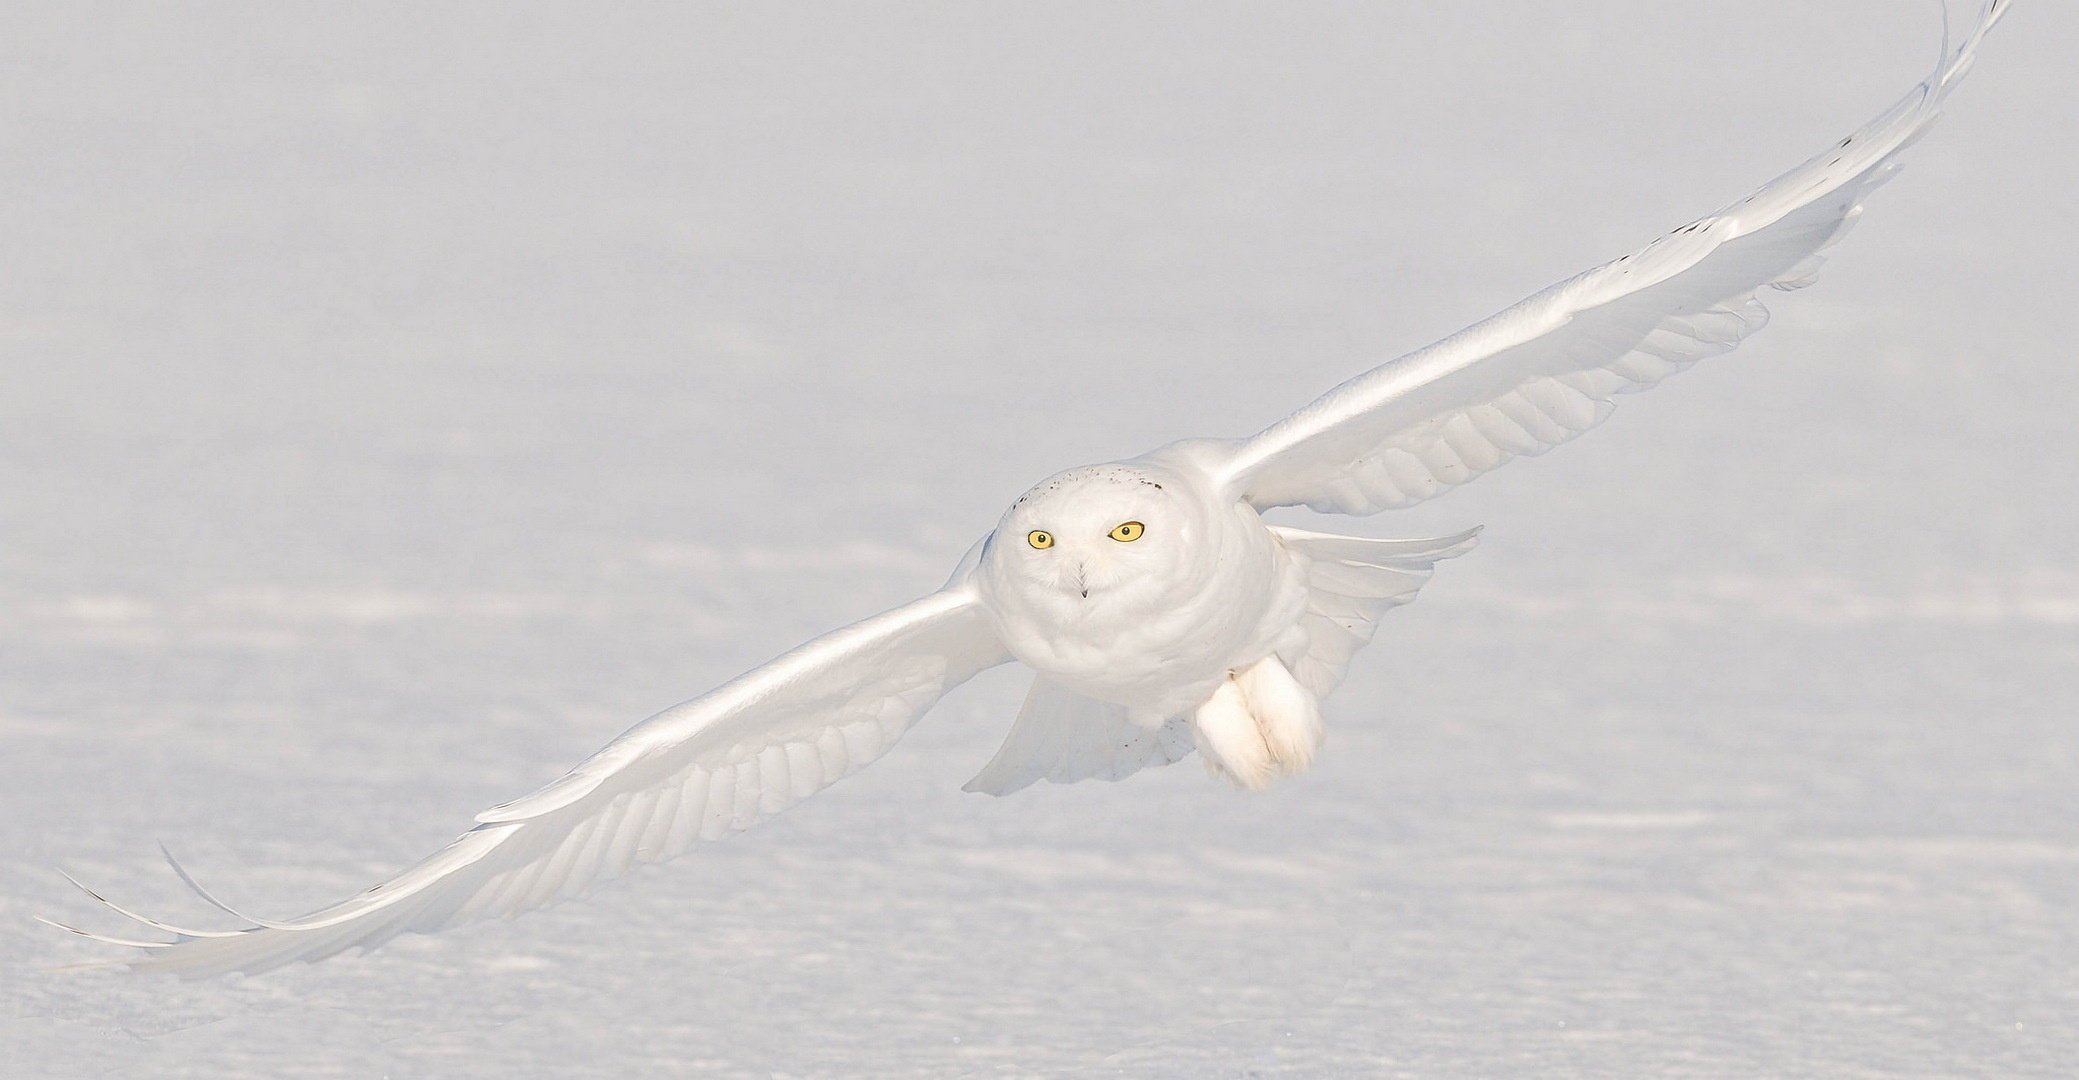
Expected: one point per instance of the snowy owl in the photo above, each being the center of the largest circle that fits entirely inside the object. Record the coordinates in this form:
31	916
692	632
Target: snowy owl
1159	611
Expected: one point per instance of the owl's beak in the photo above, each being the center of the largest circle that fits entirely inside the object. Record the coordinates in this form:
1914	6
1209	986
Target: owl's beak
1082	580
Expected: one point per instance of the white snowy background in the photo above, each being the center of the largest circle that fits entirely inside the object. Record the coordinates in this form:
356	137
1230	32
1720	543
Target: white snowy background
397	401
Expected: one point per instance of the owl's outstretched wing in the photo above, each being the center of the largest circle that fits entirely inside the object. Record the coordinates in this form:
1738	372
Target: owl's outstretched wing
1547	369
696	771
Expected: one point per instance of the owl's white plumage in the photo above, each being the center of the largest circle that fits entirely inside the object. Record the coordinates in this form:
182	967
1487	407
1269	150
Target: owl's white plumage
1152	623
1201	628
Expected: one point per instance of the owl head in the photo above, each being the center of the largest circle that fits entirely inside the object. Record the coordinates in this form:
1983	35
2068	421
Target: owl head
1105	534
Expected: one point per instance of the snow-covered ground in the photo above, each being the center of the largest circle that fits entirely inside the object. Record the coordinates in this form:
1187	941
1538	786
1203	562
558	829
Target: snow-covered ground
396	404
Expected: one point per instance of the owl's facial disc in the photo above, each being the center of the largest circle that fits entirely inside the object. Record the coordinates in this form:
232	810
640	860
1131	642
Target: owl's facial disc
1091	533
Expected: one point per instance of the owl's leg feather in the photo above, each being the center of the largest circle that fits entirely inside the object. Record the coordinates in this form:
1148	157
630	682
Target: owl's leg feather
1287	714
1230	740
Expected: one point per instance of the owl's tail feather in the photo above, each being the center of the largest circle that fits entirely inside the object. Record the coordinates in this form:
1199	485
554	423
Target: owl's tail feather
1063	737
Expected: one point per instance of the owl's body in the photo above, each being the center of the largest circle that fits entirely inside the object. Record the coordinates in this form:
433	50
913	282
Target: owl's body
1158	610
1153	623
1147	593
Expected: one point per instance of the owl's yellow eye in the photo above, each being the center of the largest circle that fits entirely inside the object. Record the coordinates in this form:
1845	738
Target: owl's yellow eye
1040	538
1128	531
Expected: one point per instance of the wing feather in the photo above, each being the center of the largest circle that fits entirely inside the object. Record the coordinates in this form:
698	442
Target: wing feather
1546	370
1063	737
699	770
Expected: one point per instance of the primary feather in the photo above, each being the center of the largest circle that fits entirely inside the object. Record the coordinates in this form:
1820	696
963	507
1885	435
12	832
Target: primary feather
698	771
1549	368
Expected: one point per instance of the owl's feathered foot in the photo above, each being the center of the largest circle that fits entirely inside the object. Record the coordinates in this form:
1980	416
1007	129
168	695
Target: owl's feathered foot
1260	724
